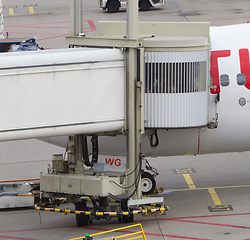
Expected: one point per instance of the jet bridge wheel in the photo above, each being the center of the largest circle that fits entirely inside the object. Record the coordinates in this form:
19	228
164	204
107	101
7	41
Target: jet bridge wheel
148	183
113	6
81	219
144	5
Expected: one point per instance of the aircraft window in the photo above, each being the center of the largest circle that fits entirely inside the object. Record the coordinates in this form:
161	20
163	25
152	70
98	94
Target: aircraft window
241	79
224	80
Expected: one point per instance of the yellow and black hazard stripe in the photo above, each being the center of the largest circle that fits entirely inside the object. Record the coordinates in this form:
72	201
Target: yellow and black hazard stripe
144	211
64	201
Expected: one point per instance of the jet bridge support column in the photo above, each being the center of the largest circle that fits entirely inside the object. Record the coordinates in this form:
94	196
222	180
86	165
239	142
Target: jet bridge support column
76	17
75	162
133	114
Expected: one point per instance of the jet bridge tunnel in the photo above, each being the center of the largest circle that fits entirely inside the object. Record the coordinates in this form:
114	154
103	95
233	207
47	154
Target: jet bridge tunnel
61	92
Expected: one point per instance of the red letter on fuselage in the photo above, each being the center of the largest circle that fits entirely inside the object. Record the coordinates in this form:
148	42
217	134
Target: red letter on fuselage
214	71
245	65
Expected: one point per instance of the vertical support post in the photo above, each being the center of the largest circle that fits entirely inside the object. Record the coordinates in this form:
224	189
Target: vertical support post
1	20
78	152
71	153
142	92
75	153
75	17
132	113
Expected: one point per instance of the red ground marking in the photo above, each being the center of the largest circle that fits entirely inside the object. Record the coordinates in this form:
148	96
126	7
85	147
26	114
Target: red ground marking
204	216
42	23
216	215
209	223
36	25
34	229
56	35
175	236
151	234
33	26
41	39
92	25
91	28
29	33
93	228
7	237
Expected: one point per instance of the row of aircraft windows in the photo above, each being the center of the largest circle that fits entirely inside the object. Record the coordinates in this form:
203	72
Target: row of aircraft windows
224	79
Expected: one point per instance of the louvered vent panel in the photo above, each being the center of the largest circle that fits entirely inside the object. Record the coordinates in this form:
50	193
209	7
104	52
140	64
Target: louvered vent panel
175	89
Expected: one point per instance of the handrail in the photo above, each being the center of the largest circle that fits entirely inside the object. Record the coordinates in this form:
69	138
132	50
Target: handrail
143	236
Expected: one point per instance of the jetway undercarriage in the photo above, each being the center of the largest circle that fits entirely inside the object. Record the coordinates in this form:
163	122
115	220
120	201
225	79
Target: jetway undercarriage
83	183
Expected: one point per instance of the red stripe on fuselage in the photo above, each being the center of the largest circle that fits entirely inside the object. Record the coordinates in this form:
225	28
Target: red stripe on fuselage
245	65
214	72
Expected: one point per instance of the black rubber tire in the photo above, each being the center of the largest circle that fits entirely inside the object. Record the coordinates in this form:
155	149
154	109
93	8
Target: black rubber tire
81	219
128	219
113	6
148	183
144	5
124	208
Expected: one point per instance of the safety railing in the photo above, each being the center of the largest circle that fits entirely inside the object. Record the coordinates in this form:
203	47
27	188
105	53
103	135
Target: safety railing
128	236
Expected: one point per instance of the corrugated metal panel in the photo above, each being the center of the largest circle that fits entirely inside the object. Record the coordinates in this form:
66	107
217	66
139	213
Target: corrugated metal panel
175	89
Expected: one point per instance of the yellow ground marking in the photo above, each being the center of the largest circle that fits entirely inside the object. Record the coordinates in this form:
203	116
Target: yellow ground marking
49	12
183	170
11	11
206	188
189	181
31	9
214	196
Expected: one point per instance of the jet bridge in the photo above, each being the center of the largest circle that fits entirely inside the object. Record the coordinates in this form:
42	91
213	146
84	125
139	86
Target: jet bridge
166	87
106	85
61	92
155	76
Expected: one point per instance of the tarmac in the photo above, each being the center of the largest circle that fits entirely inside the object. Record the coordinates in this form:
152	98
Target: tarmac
208	195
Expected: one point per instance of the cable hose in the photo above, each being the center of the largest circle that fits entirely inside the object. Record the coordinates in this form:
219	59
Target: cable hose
94	141
85	153
156	143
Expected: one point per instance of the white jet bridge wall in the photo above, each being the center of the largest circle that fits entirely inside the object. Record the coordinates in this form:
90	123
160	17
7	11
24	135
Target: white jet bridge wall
61	92
175	89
